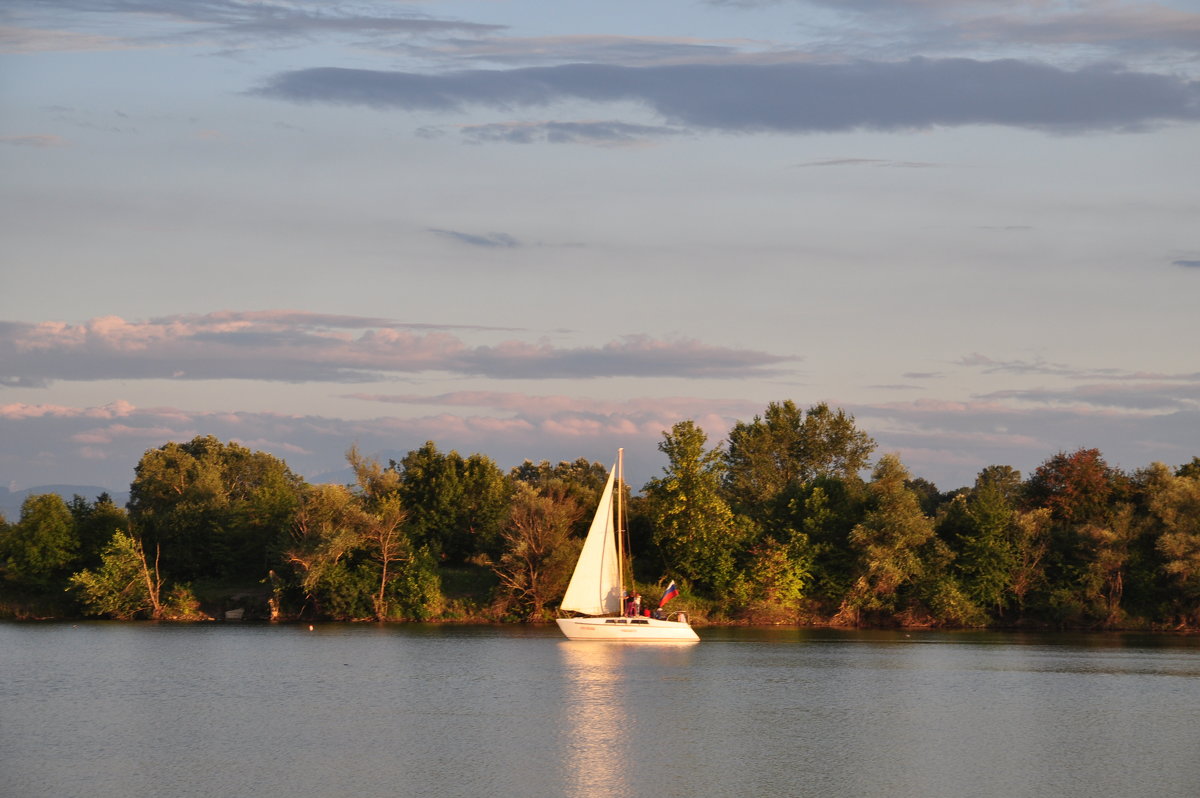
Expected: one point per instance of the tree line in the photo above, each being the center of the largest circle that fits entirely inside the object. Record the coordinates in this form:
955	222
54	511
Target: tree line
787	520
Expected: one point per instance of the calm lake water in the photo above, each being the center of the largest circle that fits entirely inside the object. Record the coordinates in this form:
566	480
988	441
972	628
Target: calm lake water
107	709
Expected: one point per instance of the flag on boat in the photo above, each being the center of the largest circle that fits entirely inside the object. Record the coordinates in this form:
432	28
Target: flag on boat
671	592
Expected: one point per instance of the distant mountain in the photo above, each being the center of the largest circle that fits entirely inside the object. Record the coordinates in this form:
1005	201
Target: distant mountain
11	500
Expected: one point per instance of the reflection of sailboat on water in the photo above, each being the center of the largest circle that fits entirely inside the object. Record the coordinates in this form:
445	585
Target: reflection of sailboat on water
596	719
597	586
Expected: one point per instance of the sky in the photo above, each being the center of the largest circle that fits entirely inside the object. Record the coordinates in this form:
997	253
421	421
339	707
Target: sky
545	230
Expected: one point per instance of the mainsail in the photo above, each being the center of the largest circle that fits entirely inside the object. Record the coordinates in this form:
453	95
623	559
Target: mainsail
595	587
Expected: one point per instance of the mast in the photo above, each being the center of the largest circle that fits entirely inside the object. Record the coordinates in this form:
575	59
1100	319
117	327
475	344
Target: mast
621	524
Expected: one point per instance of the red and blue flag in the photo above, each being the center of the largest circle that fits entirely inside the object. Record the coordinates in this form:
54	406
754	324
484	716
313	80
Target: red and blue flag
671	592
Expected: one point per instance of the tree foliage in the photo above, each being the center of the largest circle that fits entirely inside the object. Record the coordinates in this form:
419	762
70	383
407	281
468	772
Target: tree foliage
457	506
40	548
213	509
771	459
694	525
778	526
1173	502
889	542
581	481
539	551
126	586
95	524
352	555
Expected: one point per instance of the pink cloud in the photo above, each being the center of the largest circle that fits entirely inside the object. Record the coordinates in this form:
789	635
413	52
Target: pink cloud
671	406
944	441
34	141
295	347
20	410
114	432
274	446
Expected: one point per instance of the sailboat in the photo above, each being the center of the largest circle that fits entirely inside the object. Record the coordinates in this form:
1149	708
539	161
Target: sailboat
596	591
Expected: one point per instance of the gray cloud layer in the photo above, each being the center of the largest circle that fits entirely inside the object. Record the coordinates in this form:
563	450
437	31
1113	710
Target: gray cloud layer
600	133
485	240
296	347
794	98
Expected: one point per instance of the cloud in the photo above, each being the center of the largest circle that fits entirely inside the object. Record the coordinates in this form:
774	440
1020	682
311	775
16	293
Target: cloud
282	319
17	40
33	141
950	442
945	441
1142	27
629	50
1024	367
291	346
600	133
486	240
100	446
794	98
843	28
528	404
232	21
870	162
1070	372
1187	264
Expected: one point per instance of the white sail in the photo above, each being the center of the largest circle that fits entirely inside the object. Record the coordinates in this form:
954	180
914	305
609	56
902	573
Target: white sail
595	587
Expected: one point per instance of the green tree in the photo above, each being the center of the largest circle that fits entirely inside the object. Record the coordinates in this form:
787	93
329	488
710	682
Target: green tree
374	483
832	445
1174	504
889	542
693	525
1002	479
95	523
125	585
1090	535
1108	548
980	526
928	495
773	583
353	557
1030	545
213	509
765	459
538	551
487	496
825	512
39	550
772	457
580	480
1191	469
456	506
324	534
387	546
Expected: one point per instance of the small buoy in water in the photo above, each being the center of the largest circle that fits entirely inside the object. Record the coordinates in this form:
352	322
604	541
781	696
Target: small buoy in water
310	627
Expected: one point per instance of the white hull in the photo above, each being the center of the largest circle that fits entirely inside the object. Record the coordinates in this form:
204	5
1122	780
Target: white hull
649	630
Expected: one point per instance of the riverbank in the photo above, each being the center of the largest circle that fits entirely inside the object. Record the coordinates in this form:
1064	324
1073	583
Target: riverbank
468	597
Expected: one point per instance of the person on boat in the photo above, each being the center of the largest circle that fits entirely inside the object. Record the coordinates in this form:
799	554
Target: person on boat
634	606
